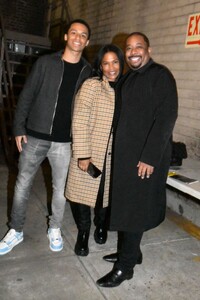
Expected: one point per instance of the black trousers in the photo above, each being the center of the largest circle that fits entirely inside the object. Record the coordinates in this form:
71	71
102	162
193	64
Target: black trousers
128	249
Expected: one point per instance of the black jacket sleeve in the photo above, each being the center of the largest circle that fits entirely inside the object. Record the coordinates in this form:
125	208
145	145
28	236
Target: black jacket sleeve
27	97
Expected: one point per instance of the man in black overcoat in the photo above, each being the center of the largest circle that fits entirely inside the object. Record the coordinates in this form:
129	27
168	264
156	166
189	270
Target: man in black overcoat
145	115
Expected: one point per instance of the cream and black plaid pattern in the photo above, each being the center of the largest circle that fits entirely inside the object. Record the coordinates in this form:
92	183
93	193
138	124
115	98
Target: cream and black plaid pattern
91	127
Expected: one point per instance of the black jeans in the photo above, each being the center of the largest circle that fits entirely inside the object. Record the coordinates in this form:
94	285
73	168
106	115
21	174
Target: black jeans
128	249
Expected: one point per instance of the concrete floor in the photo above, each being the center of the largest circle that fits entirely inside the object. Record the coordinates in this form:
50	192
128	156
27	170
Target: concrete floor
170	269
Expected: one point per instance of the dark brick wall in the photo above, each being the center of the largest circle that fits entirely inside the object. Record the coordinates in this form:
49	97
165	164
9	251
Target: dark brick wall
27	16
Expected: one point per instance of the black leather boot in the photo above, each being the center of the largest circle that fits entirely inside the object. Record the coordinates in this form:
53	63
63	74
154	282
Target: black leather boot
100	235
81	247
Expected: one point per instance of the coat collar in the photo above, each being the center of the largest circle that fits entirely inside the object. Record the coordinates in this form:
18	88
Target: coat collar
140	70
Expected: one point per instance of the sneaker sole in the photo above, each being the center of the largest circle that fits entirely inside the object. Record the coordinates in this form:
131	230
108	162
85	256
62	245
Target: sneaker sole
10	249
55	250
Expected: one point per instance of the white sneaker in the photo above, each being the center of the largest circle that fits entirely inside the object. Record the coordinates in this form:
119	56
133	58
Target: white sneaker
11	239
55	239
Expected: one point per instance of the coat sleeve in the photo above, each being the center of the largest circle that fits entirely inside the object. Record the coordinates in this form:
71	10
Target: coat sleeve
81	131
166	99
26	98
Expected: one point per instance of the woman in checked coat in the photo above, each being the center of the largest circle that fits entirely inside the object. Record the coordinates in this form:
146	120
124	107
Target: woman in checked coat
91	135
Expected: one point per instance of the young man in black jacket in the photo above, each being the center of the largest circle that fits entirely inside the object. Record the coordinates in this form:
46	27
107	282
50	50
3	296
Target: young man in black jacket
42	129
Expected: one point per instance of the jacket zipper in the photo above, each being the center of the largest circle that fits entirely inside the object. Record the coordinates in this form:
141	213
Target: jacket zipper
57	97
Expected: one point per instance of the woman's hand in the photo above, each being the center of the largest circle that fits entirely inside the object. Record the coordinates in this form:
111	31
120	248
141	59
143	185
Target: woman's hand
144	170
83	164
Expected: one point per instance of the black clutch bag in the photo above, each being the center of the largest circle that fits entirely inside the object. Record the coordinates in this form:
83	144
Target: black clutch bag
93	170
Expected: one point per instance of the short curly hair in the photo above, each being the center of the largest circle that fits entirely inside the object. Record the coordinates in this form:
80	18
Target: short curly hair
141	34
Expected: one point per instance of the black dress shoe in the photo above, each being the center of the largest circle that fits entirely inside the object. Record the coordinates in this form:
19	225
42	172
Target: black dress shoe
114	278
81	247
100	235
114	258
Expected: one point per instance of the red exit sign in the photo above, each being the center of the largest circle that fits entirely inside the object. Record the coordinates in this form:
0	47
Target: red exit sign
193	31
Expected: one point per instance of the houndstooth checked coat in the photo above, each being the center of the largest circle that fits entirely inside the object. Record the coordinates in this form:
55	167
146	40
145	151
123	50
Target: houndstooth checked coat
91	136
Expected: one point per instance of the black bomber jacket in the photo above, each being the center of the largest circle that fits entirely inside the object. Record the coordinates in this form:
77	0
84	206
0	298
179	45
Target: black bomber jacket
38	99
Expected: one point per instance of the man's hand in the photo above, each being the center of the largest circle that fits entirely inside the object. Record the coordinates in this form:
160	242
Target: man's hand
19	139
83	164
144	170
